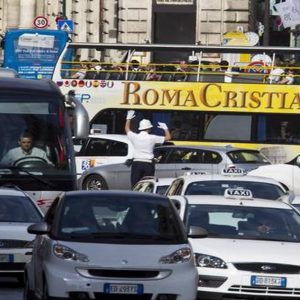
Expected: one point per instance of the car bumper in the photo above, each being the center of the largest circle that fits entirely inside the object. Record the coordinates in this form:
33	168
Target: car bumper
12	261
64	285
219	284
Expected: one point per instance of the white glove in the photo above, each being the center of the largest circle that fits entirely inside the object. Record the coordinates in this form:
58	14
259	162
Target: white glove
130	114
162	125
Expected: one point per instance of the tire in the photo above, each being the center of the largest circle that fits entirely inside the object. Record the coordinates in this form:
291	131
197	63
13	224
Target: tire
95	182
28	294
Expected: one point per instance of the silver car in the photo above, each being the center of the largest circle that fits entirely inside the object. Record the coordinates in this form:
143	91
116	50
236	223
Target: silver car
17	212
111	245
174	161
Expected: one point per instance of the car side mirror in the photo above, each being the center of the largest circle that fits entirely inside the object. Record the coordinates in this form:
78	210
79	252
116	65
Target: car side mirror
39	228
298	161
197	232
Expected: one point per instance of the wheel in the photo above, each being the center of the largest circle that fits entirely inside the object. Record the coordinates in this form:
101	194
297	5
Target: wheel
30	162
94	182
28	294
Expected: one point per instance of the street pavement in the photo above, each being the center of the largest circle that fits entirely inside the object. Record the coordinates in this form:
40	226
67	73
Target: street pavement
10	289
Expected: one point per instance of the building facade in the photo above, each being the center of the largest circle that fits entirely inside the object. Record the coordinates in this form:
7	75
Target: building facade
133	21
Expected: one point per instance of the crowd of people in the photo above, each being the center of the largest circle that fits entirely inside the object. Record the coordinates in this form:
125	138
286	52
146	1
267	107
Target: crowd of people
278	73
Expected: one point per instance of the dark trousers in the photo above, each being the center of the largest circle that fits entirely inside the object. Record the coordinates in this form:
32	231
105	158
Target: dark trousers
140	169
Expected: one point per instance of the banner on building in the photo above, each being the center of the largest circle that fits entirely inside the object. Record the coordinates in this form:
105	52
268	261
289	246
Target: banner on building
289	12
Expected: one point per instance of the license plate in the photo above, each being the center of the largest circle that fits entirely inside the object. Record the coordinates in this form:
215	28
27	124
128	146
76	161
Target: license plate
116	288
6	258
268	281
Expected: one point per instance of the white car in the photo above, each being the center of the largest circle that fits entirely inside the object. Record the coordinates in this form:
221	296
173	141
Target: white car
214	184
17	212
100	149
285	173
153	185
111	245
251	249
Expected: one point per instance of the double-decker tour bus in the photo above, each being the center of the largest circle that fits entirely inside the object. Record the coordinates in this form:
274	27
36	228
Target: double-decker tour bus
208	95
36	109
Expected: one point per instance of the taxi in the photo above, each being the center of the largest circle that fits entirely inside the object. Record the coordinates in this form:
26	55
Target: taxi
251	250
193	183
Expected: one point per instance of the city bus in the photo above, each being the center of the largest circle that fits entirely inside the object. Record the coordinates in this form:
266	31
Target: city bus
33	53
207	95
38	108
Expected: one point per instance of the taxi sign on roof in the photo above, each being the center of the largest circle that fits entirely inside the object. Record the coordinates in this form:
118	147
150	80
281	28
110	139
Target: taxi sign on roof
233	171
238	194
195	173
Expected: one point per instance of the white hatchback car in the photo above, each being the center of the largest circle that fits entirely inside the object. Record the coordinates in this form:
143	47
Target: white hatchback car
111	245
100	149
17	212
252	247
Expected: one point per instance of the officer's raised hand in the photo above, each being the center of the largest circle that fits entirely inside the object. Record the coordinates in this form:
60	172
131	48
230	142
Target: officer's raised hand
130	115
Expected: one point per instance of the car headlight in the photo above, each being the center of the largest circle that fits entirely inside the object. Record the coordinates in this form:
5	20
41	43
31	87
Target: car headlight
180	256
67	253
208	261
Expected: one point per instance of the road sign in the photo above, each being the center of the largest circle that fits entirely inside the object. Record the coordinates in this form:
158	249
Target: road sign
66	25
40	22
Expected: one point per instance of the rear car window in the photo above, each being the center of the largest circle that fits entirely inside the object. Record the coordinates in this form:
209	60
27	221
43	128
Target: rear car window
218	187
246	156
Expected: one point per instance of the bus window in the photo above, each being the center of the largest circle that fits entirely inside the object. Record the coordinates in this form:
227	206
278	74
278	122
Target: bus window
229	127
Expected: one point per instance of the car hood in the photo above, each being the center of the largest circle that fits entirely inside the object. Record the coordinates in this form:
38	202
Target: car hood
235	250
15	231
118	255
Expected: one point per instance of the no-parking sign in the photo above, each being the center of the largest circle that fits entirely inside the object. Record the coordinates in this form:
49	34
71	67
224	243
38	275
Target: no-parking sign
40	22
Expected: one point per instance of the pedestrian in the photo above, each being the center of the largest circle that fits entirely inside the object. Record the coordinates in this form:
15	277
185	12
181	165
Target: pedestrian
143	145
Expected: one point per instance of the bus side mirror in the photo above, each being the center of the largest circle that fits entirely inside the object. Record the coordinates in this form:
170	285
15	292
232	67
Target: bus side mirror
81	126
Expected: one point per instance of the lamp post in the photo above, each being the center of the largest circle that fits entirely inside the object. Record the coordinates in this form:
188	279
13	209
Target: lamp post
64	8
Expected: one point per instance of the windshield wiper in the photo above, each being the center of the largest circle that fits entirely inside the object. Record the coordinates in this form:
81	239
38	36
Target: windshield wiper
37	178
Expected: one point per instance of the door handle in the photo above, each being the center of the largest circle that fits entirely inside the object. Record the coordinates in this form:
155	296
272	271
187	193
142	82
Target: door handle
186	169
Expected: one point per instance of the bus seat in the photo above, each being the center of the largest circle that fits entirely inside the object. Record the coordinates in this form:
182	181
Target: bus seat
166	77
218	77
115	76
102	75
244	78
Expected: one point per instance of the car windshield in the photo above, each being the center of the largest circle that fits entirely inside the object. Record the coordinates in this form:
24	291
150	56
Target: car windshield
218	187
161	189
129	219
240	222
246	157
18	209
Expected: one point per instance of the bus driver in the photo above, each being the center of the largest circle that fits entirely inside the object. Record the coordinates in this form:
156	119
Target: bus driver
26	150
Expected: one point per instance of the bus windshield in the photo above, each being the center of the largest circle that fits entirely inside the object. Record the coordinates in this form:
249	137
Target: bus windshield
247	97
39	117
36	150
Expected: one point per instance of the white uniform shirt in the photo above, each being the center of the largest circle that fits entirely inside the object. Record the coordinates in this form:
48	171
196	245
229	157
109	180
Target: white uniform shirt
143	144
14	154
